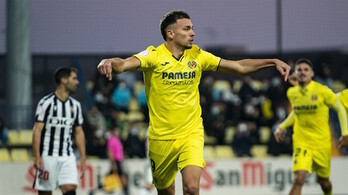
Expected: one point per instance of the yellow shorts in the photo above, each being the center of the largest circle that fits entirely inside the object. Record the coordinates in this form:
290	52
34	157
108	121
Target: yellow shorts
310	160
169	156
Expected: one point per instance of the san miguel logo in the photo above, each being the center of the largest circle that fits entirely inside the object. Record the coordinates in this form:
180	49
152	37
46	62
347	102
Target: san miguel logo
192	64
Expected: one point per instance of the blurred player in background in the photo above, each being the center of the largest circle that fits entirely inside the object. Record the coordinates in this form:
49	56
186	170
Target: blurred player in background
310	102
343	97
57	115
172	73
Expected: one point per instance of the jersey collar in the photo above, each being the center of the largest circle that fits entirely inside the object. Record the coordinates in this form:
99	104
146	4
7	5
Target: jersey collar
170	53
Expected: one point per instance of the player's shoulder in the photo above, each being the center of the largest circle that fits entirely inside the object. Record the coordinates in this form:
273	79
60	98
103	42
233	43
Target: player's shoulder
47	97
150	49
74	100
292	90
343	93
321	87
317	84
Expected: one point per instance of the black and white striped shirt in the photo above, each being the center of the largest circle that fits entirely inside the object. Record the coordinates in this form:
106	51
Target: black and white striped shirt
60	119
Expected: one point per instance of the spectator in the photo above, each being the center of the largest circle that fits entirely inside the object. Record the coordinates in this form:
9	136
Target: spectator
141	97
115	154
97	121
94	146
242	141
121	97
133	145
323	71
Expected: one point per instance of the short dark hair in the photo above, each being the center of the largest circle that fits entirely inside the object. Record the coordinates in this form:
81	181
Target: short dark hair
304	60
63	72
171	18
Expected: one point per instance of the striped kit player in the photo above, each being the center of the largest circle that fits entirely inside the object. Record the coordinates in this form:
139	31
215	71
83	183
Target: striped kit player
57	116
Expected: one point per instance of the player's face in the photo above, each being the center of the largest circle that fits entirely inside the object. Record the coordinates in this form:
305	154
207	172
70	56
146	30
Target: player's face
72	83
304	73
183	34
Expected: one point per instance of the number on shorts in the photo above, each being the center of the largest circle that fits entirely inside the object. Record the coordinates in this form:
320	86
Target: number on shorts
44	175
298	151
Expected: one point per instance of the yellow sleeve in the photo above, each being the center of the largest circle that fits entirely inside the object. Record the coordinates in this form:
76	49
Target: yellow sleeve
342	116
210	61
147	58
329	96
289	121
343	96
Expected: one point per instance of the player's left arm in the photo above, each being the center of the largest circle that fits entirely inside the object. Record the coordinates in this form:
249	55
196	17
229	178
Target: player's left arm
342	116
80	142
279	132
247	66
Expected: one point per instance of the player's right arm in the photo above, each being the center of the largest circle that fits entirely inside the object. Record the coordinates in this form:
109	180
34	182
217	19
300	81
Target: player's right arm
117	65
37	130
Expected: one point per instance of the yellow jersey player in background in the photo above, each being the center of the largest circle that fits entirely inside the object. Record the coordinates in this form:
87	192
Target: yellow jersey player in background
172	73
343	97
310	103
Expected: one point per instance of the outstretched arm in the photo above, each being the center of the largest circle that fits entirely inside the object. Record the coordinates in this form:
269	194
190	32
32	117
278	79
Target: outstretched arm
252	65
117	65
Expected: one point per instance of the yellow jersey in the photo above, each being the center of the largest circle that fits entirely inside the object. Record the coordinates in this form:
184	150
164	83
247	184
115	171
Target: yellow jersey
310	105
171	87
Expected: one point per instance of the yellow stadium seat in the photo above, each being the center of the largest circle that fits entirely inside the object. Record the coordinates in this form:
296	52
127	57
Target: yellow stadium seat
211	140
229	133
265	134
25	136
209	152
92	157
13	137
256	85
4	155
224	152
237	84
259	151
133	105
222	85
135	116
138	87
142	134
122	116
124	134
20	155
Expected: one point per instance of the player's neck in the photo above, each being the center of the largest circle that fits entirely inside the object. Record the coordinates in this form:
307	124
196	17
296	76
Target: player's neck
175	50
304	84
62	94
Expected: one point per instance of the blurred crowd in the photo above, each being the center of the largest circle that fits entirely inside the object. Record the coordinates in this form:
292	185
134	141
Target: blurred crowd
239	113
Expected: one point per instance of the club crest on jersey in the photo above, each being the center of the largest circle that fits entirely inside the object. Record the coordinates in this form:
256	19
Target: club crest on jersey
314	97
192	64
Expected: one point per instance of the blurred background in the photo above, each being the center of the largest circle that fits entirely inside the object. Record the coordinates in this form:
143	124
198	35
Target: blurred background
239	113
